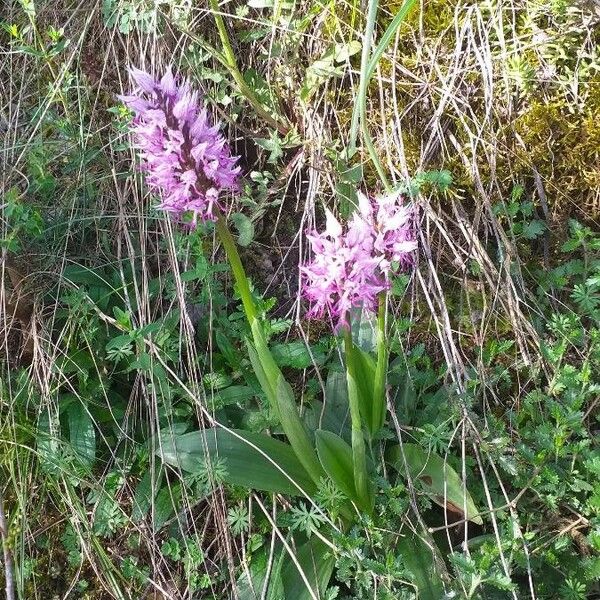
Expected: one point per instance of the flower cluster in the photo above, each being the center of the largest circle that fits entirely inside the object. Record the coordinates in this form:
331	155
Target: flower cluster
351	268
186	160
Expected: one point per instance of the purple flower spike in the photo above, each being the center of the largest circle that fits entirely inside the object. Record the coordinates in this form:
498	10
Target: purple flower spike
351	268
344	274
186	160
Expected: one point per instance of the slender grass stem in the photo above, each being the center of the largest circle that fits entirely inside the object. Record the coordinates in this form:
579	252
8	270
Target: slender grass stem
231	63
387	36
8	561
362	85
367	68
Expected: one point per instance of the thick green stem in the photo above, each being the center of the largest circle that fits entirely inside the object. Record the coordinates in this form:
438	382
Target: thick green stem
276	388
381	369
237	268
359	458
231	64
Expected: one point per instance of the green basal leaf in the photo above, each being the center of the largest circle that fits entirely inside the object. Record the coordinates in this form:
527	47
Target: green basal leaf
336	457
418	557
262	579
437	478
296	431
166	501
365	383
82	434
252	460
282	400
144	494
333	413
317	564
276	576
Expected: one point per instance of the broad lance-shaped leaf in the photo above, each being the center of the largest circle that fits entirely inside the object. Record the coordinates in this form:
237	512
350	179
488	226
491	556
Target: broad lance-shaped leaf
252	460
336	457
359	455
276	576
365	383
332	414
295	430
82	433
418	557
437	478
316	562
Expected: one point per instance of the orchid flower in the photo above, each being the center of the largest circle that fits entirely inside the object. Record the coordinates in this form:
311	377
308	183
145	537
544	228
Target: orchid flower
186	159
350	268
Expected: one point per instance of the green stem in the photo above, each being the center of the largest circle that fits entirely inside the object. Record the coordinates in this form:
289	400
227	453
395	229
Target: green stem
359	459
367	68
381	369
362	85
238	269
276	388
231	64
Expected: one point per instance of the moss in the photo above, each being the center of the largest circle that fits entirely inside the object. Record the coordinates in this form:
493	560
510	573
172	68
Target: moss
565	149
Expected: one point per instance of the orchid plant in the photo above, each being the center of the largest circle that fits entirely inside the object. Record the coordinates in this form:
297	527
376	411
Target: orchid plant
188	164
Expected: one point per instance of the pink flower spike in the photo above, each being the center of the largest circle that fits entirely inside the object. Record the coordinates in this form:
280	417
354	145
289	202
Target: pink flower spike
343	275
352	265
185	158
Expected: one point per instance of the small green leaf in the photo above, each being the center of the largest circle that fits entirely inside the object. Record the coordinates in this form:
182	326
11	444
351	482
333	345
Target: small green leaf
244	227
273	145
533	229
440	179
123	318
343	52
